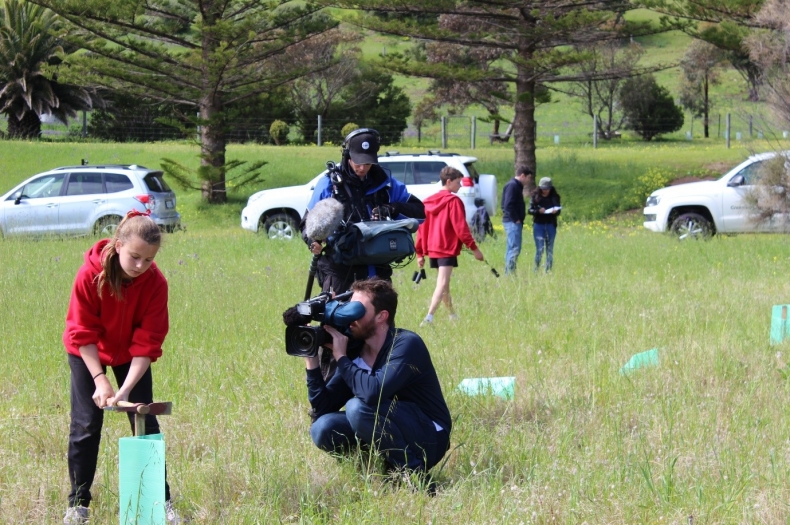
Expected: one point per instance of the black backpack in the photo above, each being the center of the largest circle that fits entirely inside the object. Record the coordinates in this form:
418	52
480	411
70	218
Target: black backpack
481	224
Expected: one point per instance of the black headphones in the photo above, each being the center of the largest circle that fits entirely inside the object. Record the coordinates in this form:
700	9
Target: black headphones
360	131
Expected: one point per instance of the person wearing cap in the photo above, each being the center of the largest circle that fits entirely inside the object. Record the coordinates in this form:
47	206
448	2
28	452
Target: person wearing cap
367	192
514	212
544	206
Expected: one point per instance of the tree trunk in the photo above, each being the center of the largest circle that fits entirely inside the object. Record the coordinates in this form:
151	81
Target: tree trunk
212	126
524	121
705	106
212	150
28	127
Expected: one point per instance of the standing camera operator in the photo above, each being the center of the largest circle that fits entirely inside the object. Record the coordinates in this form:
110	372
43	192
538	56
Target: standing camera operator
393	399
367	192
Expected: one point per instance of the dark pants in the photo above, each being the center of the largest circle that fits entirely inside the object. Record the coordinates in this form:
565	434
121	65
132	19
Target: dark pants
86	425
399	430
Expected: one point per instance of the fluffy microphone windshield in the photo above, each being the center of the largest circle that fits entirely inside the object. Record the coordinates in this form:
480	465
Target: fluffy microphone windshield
323	219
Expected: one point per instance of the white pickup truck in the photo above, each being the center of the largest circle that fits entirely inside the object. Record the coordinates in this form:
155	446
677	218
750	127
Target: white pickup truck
278	211
702	209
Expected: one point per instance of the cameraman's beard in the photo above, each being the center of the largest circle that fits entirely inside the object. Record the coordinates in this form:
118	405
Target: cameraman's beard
363	331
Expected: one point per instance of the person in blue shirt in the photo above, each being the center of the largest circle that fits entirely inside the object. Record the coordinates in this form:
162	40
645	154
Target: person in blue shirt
391	393
367	192
514	212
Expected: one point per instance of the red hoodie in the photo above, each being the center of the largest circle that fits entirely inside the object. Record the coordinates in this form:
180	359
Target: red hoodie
444	230
133	327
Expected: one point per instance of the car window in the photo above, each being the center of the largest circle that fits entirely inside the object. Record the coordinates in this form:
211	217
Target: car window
400	170
84	184
427	172
156	183
470	167
43	187
115	182
750	173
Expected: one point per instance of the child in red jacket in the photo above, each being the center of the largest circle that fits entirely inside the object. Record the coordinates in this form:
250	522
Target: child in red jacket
442	236
117	318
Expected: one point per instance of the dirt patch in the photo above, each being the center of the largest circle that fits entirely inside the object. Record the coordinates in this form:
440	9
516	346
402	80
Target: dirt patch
684	180
718	167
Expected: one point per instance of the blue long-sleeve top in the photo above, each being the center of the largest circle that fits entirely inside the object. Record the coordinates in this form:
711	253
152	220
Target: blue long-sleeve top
403	370
513	207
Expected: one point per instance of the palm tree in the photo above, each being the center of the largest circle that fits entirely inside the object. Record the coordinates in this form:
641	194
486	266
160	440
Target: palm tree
27	44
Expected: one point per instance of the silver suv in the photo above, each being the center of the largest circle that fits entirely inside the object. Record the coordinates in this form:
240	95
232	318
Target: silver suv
83	200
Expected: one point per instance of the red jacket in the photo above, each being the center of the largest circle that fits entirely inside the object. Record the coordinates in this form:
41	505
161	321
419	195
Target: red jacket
133	327
444	230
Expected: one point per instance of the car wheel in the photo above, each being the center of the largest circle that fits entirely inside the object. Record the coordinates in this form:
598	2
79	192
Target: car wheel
280	226
106	226
692	226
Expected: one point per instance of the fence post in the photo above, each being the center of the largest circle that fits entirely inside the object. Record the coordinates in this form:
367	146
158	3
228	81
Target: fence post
718	129
84	123
595	131
750	126
727	130
319	131
444	132
474	131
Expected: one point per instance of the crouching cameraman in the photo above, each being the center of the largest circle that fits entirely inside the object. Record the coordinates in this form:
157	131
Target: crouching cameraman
393	400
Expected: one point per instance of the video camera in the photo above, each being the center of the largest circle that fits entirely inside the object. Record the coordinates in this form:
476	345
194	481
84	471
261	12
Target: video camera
302	340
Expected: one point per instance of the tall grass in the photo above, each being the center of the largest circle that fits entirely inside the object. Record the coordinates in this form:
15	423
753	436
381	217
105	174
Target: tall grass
700	438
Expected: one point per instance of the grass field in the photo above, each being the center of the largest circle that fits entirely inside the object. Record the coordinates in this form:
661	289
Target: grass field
701	438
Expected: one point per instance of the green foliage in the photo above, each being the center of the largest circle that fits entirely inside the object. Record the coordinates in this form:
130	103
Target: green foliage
384	107
648	108
27	90
348	128
655	178
189	178
212	56
279	132
126	118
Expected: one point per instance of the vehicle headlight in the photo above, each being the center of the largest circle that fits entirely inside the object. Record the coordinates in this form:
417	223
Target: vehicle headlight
652	201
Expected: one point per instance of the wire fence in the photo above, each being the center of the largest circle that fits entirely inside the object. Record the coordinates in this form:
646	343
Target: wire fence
454	131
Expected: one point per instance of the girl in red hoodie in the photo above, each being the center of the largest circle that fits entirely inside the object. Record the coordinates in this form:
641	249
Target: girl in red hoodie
117	318
442	236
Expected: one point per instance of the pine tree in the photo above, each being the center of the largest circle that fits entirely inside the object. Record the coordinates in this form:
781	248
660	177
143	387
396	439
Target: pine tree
207	54
534	41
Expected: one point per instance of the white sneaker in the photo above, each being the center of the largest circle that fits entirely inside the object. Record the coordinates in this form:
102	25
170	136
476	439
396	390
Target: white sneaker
76	515
426	322
454	317
171	514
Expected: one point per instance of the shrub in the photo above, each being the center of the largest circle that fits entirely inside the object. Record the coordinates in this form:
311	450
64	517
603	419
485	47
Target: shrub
279	132
654	179
648	108
348	128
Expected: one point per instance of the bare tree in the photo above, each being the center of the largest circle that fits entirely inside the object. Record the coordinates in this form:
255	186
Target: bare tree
700	71
771	50
601	78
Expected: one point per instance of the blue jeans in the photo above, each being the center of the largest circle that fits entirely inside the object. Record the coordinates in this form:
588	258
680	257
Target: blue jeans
544	238
402	433
513	232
